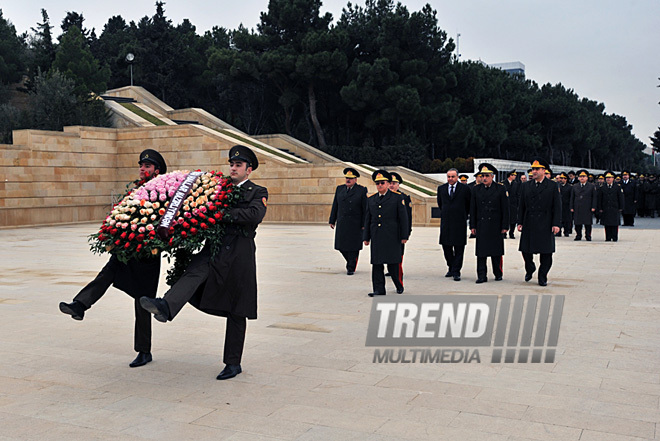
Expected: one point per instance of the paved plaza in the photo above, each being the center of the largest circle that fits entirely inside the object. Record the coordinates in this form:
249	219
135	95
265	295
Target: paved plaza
307	374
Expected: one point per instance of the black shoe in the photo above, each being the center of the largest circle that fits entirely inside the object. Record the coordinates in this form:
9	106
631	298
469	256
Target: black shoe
387	274
75	309
472	236
230	371
558	235
484	280
543	282
141	359
588	238
399	290
373	294
511	236
158	307
615	240
566	235
350	273
498	278
457	278
577	238
528	276
449	274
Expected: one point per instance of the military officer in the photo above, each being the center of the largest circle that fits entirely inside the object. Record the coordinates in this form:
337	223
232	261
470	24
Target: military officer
611	202
347	218
224	284
462	178
138	277
539	217
630	199
512	187
600	181
394	186
583	205
489	221
478	179
651	191
454	204
566	215
385	228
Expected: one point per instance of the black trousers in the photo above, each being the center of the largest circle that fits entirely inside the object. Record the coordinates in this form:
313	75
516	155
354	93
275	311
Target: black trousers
378	276
454	258
628	220
578	231
482	267
611	233
351	259
184	289
544	268
512	230
568	227
95	289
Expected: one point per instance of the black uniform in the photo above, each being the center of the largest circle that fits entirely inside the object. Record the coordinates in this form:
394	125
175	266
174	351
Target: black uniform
629	189
226	285
566	215
610	204
651	191
583	204
136	278
513	190
385	226
348	209
489	215
408	202
539	211
454	211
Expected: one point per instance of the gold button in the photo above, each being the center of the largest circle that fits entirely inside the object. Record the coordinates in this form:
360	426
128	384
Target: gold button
379	206
379	225
379	215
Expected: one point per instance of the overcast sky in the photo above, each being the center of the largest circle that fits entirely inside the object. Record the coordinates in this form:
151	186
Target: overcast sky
606	50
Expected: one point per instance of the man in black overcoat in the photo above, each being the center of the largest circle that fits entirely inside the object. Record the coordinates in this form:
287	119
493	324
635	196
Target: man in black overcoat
651	191
225	284
566	216
396	181
611	202
539	217
478	179
630	199
454	204
489	221
583	205
347	218
137	278
512	186
385	228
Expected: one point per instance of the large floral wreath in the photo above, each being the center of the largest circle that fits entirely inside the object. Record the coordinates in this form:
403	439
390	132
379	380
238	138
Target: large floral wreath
176	213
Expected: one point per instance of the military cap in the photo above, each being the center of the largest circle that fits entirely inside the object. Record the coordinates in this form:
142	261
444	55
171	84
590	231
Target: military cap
463	177
562	175
242	153
351	173
396	177
529	172
641	175
651	175
609	174
381	175
601	176
486	168
548	171
626	172
153	157
582	172
511	173
540	163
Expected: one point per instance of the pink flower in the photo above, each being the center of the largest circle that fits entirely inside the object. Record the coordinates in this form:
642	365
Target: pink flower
187	214
153	196
162	197
202	209
133	227
150	227
141	230
124	225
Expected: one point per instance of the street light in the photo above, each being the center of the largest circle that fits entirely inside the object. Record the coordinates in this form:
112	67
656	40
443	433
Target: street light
458	52
129	58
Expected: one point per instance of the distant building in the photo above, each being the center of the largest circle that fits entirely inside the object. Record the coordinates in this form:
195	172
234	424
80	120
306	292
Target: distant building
512	68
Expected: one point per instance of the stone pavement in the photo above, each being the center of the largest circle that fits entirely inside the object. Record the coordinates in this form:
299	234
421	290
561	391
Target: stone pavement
307	373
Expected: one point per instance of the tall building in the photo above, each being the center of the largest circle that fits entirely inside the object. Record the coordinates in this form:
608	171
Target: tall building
512	68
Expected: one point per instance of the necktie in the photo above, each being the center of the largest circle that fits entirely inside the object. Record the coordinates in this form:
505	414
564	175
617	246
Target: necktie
451	191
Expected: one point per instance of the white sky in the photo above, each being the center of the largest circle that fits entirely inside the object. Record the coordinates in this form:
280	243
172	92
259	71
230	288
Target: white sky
606	50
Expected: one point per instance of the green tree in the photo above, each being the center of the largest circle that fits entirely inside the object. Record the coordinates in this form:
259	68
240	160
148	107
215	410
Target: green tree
12	53
42	47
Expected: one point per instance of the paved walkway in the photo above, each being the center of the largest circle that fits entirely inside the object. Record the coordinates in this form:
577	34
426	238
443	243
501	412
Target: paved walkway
307	373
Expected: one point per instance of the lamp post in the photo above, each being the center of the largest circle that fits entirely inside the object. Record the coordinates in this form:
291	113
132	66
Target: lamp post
129	58
458	52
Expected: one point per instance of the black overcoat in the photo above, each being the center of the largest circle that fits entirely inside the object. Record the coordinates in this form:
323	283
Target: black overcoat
408	202
538	212
231	286
610	204
385	225
138	277
348	210
489	215
650	193
583	200
565	191
630	196
513	191
454	213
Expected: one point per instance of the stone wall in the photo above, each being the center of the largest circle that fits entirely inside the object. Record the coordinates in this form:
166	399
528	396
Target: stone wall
72	176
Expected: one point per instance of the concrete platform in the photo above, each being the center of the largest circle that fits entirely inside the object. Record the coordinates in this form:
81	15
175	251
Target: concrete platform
307	373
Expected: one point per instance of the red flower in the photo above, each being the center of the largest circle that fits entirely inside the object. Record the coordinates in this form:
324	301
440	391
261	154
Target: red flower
114	231
211	206
171	230
202	216
123	235
131	236
203	226
193	231
194	221
139	247
184	234
140	237
172	240
218	215
127	245
101	237
186	225
212	221
152	233
117	242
